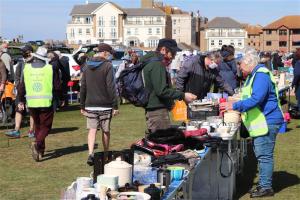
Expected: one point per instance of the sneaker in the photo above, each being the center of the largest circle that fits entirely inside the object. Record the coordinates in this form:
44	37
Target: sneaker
34	152
90	160
254	189
261	192
13	133
31	134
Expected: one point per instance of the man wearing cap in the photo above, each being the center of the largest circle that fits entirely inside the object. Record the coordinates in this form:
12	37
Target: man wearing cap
38	86
98	99
158	83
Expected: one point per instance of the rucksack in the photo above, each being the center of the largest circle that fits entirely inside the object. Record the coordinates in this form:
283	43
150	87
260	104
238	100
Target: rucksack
131	84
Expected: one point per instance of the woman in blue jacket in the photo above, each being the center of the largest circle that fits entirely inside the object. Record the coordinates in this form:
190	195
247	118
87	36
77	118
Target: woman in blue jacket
262	103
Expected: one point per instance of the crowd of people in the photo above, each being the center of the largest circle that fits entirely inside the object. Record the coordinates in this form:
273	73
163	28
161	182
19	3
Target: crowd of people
168	75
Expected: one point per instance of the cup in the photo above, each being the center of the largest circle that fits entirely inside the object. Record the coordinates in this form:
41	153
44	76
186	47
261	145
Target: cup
177	173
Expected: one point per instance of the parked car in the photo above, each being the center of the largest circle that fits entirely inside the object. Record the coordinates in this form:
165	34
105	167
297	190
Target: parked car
16	54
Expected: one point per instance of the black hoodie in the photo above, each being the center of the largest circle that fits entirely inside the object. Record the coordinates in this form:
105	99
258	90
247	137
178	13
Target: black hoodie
98	85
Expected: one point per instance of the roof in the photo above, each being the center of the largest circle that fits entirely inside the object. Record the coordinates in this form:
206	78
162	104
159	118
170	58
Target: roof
253	30
85	9
291	22
223	22
143	12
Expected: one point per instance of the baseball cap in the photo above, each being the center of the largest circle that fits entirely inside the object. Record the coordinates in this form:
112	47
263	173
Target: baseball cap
168	43
105	47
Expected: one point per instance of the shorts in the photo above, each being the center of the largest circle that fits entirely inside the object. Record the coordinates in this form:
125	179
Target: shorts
22	112
99	120
157	119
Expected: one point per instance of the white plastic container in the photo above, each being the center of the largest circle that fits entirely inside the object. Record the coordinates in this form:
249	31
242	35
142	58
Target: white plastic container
121	169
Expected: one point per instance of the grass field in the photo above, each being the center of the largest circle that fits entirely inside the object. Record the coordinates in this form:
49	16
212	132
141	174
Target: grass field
66	154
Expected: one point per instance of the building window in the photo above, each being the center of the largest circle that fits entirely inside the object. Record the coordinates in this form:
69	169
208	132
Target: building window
77	19
88	31
232	42
282	32
136	31
88	42
152	43
296	43
282	43
149	31
174	31
158	19
295	31
157	31
240	42
174	22
79	42
113	20
220	42
128	31
101	21
101	33
113	33
80	31
268	32
249	44
72	33
269	43
212	43
87	20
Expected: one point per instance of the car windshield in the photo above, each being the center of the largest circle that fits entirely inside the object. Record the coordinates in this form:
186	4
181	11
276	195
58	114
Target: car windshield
118	55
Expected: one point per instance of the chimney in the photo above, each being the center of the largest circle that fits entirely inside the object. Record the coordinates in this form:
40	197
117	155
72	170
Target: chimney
147	3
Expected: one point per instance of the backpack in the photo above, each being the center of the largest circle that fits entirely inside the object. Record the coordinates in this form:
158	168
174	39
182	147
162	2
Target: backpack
131	84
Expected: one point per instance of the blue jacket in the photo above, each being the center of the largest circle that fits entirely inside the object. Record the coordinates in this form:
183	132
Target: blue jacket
228	72
263	96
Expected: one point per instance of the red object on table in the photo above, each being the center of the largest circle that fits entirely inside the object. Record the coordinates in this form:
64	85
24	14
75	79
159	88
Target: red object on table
222	100
71	83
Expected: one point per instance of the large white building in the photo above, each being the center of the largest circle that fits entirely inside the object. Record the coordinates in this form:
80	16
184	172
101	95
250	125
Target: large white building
184	28
144	27
109	23
224	30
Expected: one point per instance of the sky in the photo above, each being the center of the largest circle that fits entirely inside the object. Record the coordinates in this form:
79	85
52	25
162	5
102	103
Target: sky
47	19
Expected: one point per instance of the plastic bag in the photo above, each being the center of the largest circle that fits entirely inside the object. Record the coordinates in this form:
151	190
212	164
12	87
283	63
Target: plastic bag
179	111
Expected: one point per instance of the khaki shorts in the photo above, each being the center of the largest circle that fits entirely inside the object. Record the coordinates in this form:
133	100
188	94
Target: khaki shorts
157	119
99	120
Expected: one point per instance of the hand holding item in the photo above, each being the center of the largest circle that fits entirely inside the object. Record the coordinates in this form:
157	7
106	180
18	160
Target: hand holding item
21	106
226	106
82	111
189	97
2	87
115	112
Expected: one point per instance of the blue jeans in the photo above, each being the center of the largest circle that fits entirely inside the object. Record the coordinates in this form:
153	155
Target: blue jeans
298	97
264	149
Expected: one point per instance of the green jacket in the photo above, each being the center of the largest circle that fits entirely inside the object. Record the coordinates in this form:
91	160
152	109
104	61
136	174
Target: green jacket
157	81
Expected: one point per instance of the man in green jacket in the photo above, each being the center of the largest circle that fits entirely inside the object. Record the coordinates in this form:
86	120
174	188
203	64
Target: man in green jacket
158	83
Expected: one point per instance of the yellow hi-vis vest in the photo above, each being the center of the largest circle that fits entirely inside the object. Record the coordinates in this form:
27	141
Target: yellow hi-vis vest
38	85
254	119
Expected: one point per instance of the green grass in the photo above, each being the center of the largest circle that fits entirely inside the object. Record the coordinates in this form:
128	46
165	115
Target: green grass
66	153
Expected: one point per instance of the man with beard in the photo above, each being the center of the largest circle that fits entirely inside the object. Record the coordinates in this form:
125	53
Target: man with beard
158	83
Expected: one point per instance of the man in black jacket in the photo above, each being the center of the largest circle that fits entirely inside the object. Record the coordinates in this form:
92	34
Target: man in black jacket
199	73
277	60
98	97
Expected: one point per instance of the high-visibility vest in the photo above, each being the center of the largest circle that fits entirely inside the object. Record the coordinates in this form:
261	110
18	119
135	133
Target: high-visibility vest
38	85
254	119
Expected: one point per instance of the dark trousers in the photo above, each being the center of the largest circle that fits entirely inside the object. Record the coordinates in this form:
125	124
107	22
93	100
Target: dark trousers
43	119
